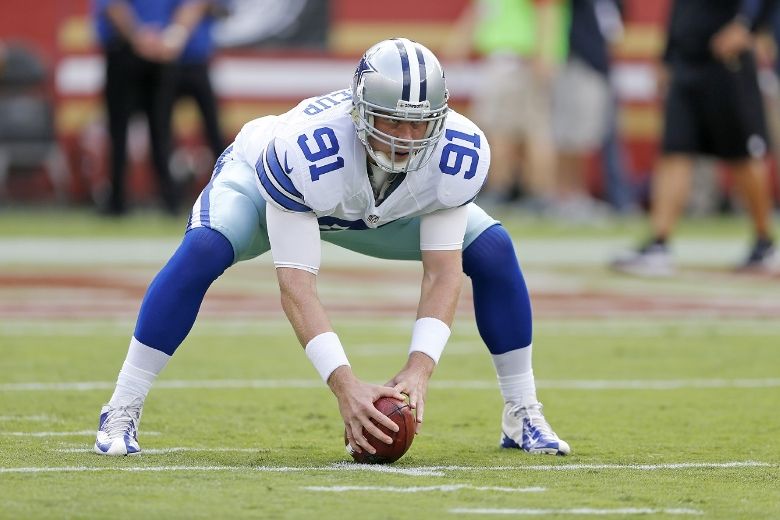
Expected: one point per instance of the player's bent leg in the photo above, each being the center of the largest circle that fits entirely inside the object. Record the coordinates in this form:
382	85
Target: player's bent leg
501	302
503	313
224	228
167	314
172	301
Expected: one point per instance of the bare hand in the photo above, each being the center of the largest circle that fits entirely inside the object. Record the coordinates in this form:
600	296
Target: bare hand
731	41
356	405
147	43
413	381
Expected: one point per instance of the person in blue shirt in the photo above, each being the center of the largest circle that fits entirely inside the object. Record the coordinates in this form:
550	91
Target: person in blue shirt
141	41
193	74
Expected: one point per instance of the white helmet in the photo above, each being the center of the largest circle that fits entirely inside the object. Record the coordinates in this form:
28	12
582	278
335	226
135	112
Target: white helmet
399	79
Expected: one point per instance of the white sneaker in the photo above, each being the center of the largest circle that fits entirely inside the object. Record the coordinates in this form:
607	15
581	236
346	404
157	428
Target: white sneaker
762	258
652	260
118	429
525	428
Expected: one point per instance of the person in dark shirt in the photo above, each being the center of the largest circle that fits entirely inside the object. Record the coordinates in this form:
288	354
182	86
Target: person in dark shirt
142	41
713	107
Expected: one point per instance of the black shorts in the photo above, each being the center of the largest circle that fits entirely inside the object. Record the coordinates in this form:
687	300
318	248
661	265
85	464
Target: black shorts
712	109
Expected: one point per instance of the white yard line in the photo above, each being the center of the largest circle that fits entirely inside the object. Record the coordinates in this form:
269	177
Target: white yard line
424	489
591	251
585	511
635	467
166	451
413	471
197	469
560	384
27	418
60	434
695	327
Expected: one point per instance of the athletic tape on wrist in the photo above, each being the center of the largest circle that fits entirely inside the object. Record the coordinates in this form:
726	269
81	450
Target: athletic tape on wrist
429	337
326	354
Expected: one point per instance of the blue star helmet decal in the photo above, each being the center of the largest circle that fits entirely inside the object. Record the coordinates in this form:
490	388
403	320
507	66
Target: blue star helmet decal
362	67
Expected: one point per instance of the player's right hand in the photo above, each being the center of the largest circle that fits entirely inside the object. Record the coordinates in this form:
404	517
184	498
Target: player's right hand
356	406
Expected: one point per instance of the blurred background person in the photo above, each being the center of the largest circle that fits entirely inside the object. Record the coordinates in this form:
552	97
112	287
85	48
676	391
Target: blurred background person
192	75
620	191
142	41
585	113
769	80
713	107
522	43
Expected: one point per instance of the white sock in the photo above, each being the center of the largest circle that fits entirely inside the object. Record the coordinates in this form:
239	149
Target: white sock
515	376
140	369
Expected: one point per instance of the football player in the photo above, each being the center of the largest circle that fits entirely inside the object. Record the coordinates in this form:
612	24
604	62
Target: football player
383	168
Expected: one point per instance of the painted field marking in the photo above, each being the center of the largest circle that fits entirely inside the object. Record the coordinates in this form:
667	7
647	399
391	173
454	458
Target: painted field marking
28	418
436	471
549	327
636	467
587	511
196	469
165	451
559	384
423	489
59	434
591	251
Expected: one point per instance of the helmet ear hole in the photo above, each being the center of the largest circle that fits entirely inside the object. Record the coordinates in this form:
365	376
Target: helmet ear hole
402	80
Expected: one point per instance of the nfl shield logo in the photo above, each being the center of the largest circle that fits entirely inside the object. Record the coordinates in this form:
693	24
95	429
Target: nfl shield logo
373	219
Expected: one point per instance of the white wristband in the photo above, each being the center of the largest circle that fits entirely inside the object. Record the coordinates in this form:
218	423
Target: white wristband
429	337
326	354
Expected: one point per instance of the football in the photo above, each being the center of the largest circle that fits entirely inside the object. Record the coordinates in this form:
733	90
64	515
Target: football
401	414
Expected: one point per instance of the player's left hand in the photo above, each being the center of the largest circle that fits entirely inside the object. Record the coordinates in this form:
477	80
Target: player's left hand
412	380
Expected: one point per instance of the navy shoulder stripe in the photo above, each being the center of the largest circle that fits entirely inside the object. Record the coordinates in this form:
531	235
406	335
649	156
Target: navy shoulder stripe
282	199
280	173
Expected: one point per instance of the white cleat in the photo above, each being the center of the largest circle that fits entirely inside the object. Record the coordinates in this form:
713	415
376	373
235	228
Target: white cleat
652	260
525	428
118	429
762	258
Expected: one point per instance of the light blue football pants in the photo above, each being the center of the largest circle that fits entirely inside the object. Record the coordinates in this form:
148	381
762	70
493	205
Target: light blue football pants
232	205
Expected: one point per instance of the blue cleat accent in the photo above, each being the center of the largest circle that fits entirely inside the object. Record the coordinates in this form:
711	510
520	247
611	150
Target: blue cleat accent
118	430
525	428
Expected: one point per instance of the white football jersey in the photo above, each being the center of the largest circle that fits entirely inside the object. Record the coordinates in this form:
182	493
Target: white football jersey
310	159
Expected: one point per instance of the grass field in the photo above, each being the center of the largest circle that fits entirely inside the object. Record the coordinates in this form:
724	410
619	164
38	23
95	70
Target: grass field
668	391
